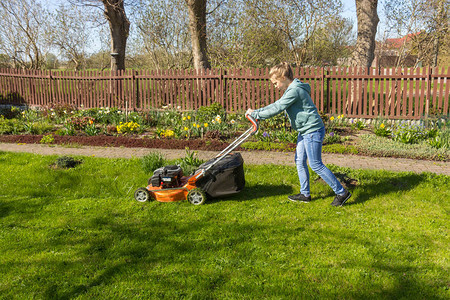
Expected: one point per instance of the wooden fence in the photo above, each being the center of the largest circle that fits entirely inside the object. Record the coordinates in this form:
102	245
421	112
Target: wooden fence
354	92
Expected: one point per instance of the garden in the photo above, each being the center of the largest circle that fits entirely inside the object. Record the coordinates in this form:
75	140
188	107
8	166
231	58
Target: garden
212	128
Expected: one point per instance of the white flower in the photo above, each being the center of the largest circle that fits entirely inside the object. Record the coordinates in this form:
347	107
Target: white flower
165	107
178	107
232	121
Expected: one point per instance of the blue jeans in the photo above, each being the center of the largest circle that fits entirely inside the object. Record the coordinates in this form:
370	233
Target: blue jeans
309	146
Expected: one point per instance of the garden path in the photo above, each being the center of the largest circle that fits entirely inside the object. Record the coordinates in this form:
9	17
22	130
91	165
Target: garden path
250	157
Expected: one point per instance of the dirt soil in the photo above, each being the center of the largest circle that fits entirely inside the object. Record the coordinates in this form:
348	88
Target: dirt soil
121	141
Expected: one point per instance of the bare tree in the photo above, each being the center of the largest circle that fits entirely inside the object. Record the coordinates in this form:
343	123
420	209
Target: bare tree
70	33
197	28
296	21
367	16
163	36
23	26
425	23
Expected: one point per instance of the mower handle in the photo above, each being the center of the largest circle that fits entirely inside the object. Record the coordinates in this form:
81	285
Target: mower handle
254	123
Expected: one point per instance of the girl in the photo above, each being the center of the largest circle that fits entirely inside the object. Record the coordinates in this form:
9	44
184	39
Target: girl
304	118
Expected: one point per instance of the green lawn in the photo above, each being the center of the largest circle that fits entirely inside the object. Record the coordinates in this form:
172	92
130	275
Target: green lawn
79	233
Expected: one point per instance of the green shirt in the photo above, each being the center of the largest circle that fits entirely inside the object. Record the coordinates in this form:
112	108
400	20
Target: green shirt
299	106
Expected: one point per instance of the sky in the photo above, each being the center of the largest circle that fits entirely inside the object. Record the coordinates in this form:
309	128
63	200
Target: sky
349	11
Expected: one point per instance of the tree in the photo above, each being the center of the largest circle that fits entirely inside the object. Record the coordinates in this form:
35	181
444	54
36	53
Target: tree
23	26
197	28
162	30
425	23
70	34
119	27
296	21
366	14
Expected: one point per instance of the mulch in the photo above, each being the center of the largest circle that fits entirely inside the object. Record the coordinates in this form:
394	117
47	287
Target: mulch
121	141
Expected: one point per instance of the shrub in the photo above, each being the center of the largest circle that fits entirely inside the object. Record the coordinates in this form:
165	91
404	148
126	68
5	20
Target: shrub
358	125
128	127
66	162
11	126
79	123
152	161
208	113
332	138
91	130
190	162
383	147
47	139
39	127
440	140
409	134
382	130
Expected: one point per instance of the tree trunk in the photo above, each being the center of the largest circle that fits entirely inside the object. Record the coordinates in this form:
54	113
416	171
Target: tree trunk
119	27
440	22
197	28
366	13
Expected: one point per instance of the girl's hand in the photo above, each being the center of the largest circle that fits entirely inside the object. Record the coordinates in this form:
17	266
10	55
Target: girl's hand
249	111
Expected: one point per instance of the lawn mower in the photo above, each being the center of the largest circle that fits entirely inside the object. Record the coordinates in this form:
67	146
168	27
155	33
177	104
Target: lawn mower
220	176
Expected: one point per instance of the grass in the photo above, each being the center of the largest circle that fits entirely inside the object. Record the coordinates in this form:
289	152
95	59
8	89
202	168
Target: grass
77	233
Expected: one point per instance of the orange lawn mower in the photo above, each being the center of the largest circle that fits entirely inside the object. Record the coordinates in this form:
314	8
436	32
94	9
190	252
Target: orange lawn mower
221	176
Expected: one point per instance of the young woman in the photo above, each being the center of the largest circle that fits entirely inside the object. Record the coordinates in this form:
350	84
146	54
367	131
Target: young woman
304	118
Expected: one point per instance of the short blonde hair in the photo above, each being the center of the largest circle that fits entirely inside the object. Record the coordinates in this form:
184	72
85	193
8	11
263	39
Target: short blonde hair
282	70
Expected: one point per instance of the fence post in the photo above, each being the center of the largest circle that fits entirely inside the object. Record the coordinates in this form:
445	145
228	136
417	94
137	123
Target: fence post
427	102
135	81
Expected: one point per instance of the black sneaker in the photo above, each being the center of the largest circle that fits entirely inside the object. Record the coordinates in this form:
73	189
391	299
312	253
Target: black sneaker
340	200
299	198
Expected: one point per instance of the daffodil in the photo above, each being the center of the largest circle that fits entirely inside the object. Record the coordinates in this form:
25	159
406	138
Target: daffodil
332	118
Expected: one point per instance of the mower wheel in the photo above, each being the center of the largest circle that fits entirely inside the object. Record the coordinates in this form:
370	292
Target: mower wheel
196	196
142	195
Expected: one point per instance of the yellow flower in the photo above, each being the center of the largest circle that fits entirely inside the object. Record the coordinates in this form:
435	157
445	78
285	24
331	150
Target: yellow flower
206	124
198	125
184	118
194	125
188	117
332	119
382	125
186	129
91	122
342	116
